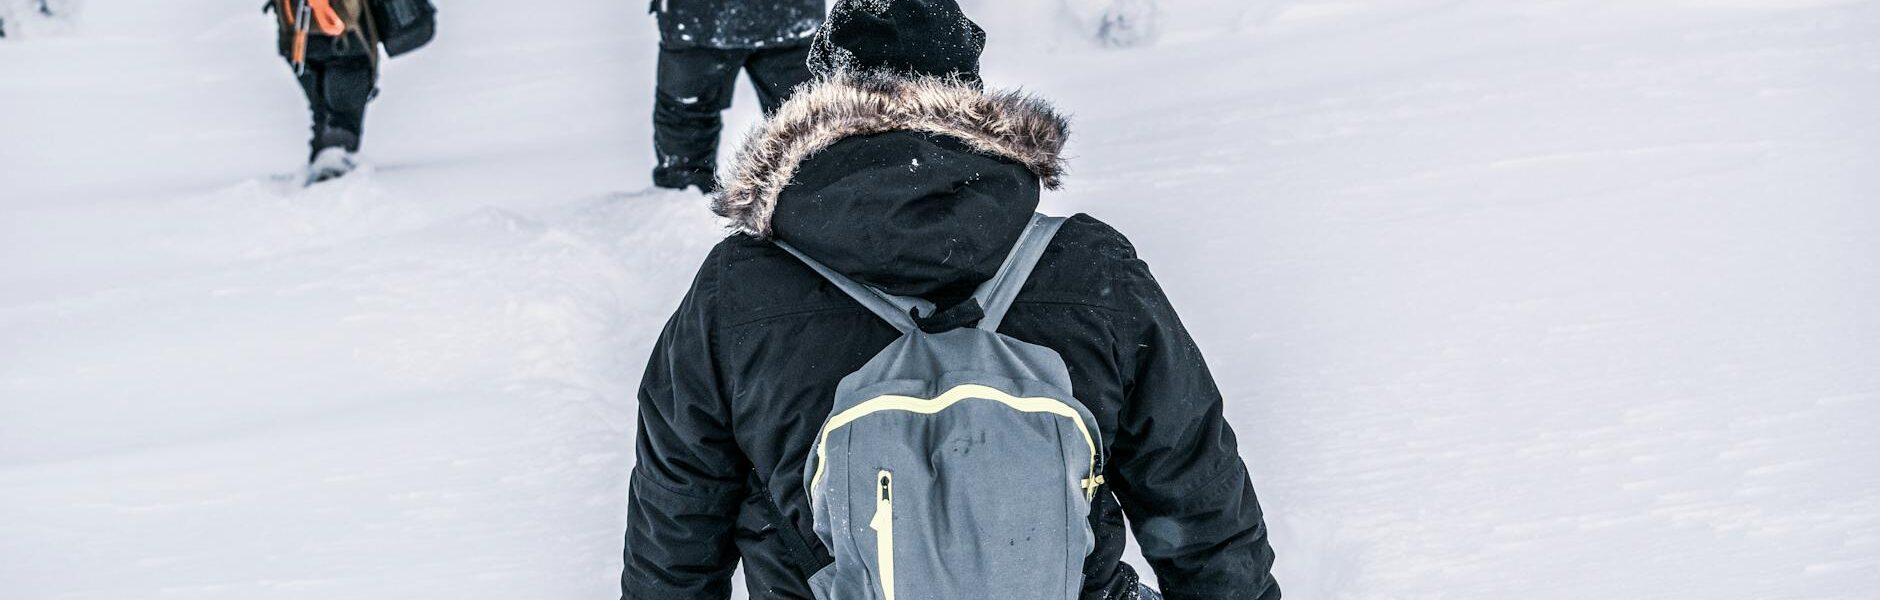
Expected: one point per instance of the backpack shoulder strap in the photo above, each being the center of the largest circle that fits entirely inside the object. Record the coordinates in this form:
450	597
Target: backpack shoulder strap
996	295
896	310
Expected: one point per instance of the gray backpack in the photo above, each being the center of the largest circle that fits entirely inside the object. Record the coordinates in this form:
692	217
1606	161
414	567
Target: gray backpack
955	465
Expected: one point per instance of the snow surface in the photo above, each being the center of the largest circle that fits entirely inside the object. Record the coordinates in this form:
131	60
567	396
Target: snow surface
1512	299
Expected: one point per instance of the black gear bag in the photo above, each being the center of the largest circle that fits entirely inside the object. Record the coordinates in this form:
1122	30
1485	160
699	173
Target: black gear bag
404	25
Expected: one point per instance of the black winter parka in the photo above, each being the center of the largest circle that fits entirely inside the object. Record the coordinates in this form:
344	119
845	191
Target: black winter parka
745	373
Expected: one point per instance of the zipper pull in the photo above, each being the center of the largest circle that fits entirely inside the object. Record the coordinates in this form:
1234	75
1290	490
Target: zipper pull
883	524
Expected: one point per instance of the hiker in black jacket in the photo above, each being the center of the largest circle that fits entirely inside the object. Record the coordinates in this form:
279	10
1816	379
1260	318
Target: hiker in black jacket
896	169
703	44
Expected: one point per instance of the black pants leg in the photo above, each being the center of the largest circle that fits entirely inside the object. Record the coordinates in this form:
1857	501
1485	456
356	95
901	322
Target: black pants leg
694	86
337	92
776	73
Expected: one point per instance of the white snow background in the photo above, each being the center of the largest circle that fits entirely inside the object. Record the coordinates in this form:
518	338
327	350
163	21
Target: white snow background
1511	299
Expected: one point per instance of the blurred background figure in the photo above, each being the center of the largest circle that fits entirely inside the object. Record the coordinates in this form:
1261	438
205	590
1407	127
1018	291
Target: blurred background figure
703	44
1116	23
25	17
333	47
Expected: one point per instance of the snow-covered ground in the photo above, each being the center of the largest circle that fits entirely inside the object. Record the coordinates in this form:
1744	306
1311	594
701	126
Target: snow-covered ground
1512	298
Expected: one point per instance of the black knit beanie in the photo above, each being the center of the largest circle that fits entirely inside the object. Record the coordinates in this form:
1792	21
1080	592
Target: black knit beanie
905	37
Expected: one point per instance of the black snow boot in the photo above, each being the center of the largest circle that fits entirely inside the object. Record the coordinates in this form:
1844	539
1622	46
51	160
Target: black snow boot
337	93
329	133
679	177
694	87
333	144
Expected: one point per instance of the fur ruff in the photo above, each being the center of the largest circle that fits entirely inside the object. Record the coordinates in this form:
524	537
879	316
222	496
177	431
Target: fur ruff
1005	124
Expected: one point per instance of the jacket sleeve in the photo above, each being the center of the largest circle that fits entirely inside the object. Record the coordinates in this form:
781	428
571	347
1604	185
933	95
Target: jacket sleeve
1175	465
690	477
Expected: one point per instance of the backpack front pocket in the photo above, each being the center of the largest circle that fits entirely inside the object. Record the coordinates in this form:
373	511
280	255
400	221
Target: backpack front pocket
883	524
989	489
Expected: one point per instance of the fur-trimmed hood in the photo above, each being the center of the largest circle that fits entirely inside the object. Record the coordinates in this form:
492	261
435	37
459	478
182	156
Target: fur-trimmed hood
1008	125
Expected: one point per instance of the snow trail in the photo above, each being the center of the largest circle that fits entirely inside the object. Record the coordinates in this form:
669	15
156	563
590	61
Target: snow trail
1510	299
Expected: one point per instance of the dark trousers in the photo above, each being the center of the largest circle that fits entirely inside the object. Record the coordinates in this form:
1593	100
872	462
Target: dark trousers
694	86
337	90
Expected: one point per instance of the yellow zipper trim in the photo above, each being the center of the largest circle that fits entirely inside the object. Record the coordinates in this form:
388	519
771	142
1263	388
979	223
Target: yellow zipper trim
945	401
883	524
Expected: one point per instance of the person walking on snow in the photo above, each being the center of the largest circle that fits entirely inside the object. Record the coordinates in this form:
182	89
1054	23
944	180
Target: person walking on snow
703	44
897	170
333	49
